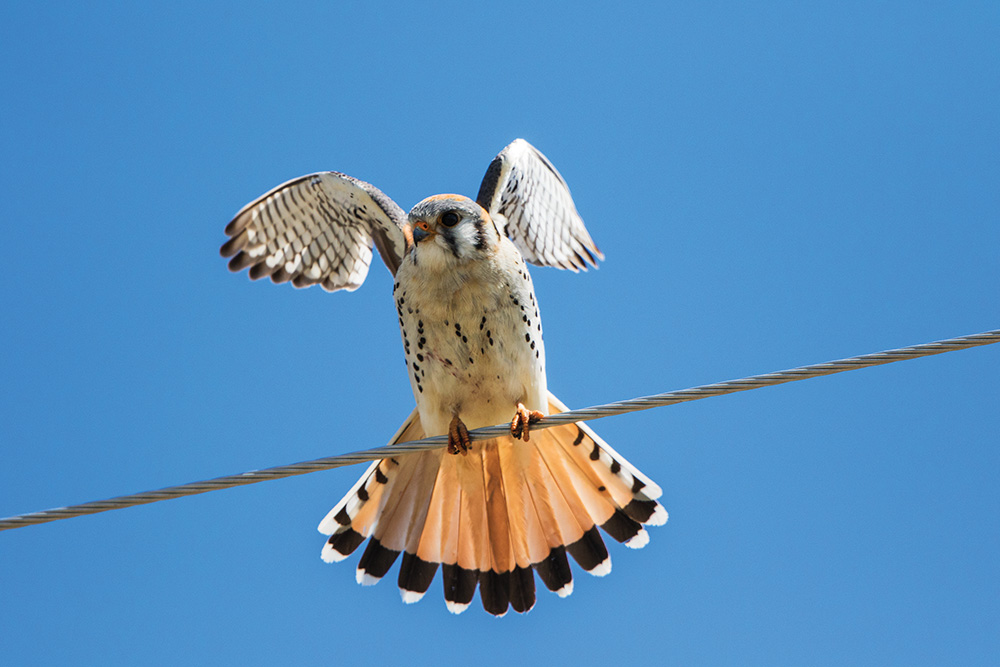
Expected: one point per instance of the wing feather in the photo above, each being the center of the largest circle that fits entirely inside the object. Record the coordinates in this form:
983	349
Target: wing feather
316	229
529	199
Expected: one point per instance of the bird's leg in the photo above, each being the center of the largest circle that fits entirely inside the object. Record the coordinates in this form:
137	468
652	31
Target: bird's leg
522	421
458	437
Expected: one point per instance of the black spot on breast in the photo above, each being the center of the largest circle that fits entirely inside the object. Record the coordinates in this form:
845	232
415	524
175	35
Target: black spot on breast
595	454
420	357
527	337
380	477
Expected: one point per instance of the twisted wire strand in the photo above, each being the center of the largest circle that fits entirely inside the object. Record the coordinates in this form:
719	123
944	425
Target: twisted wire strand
584	414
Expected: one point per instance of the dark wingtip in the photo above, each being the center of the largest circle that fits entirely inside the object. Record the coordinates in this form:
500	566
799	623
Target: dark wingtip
234	226
240	262
228	248
488	188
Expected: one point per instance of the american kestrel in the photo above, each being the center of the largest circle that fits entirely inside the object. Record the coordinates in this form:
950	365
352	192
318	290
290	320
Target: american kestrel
489	512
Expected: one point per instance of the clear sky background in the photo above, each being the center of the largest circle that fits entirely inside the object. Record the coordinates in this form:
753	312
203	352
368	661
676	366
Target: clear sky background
773	184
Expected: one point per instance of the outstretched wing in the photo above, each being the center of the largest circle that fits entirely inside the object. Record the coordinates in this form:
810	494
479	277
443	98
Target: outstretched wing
316	229
525	194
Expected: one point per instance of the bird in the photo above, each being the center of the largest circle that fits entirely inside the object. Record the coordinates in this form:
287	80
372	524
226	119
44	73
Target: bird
488	513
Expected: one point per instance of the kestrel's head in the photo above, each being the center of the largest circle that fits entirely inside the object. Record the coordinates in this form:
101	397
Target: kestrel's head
452	227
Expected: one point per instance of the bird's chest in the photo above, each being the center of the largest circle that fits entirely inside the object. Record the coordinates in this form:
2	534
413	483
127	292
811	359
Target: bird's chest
473	344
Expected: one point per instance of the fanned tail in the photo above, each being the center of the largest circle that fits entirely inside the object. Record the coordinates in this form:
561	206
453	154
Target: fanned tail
492	518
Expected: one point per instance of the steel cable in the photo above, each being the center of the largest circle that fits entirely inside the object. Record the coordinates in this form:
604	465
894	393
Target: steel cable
584	414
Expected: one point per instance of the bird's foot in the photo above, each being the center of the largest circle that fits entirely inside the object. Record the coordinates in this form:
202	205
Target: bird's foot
458	437
520	425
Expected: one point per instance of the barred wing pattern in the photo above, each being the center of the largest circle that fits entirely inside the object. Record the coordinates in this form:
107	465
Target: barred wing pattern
316	229
528	197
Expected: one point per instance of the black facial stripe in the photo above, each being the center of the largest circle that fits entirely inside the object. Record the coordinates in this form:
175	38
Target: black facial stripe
450	240
480	234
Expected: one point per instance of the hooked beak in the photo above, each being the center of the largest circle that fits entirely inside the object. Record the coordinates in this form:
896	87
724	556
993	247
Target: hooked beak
420	232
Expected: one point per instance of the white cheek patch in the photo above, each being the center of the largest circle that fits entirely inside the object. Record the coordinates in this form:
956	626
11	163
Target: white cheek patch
461	241
465	236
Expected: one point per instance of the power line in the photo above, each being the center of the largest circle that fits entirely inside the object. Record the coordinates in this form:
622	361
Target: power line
585	414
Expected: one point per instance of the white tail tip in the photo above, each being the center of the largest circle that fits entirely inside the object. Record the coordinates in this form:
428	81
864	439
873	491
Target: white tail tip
365	579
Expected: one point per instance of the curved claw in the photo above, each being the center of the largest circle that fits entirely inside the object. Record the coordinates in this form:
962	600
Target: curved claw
458	437
520	425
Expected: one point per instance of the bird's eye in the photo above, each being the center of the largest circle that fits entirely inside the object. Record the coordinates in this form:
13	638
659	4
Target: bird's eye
449	219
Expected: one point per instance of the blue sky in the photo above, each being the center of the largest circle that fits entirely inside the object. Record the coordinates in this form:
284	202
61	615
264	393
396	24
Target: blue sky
772	185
